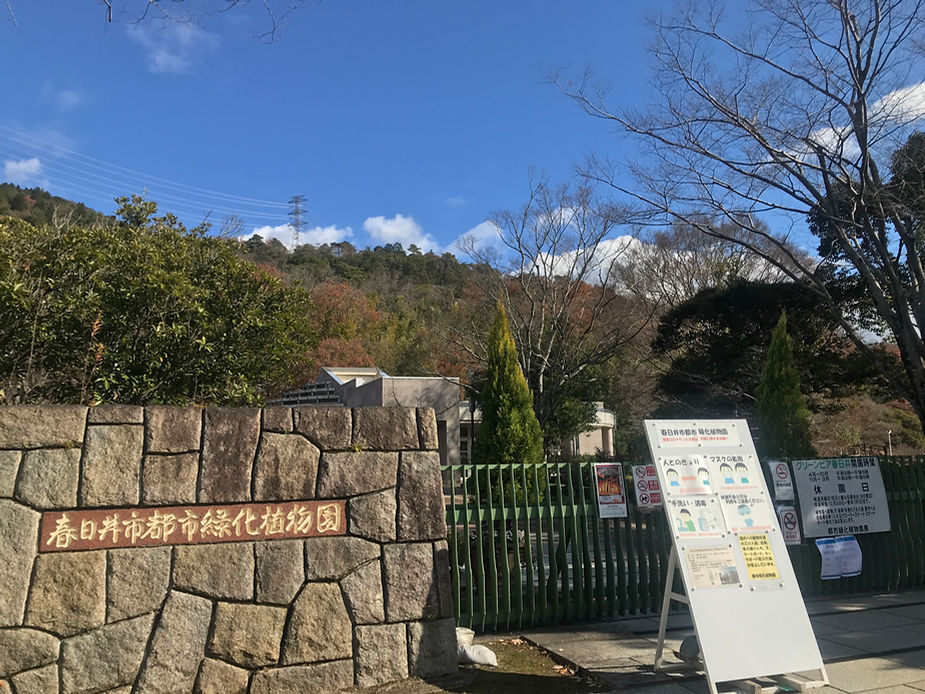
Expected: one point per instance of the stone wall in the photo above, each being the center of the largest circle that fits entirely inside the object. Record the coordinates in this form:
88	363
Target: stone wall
365	602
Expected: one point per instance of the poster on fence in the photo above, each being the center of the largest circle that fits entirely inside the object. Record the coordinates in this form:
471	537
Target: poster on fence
731	551
611	491
841	496
841	557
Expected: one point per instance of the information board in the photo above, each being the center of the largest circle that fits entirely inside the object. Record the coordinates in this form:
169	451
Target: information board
841	496
611	490
744	599
648	491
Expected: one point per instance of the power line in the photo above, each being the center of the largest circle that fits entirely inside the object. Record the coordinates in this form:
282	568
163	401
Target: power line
31	145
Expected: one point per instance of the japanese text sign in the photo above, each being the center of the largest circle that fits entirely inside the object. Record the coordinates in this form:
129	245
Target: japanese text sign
189	525
841	496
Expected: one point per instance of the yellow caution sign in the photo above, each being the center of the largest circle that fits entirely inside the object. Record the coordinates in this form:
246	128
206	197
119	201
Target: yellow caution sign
758	555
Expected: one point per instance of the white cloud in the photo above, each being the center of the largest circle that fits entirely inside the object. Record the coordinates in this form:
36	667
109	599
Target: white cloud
316	236
329	234
900	107
401	229
486	235
173	48
457	201
486	231
22	172
67	100
904	105
594	266
63	100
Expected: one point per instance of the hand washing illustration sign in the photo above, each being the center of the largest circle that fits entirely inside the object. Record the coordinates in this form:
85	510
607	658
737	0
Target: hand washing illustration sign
696	517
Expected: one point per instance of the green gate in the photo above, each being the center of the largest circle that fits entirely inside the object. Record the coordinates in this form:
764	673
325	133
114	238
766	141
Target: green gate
527	547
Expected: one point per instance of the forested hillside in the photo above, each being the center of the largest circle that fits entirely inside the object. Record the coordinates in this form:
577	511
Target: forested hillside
37	206
140	309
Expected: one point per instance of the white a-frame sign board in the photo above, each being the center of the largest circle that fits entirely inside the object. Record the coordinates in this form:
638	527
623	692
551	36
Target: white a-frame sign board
744	600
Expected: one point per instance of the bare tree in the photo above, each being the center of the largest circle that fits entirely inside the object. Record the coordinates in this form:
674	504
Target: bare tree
790	108
555	263
676	262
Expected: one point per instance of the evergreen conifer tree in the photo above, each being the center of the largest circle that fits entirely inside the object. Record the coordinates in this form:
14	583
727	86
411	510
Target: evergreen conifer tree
510	432
783	418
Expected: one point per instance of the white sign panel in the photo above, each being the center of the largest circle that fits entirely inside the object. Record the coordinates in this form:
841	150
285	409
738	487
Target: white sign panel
736	569
783	482
611	492
841	557
789	524
841	496
648	491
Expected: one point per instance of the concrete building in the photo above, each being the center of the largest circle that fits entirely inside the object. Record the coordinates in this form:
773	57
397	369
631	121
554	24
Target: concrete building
598	440
372	387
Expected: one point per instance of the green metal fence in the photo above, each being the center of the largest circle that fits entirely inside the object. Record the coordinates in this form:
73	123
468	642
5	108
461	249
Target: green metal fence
527	547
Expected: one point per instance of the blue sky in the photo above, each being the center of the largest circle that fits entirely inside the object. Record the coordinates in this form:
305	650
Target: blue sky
405	121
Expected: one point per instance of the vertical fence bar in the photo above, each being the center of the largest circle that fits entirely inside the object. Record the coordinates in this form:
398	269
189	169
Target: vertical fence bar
467	539
482	603
600	608
527	593
452	522
585	480
632	567
916	484
540	553
503	557
552	582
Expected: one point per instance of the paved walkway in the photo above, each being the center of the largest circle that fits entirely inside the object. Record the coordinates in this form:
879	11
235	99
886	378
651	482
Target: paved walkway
868	643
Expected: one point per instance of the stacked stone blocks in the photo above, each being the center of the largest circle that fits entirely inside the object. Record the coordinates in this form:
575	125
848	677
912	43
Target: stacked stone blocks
316	614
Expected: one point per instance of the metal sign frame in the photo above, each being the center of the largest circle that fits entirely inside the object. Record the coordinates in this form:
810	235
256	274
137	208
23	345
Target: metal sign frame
745	603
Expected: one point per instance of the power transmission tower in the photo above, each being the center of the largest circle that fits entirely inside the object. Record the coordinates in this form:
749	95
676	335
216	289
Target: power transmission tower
296	215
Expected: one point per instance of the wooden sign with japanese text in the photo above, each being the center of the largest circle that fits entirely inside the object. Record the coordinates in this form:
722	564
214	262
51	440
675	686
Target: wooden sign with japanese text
189	525
743	595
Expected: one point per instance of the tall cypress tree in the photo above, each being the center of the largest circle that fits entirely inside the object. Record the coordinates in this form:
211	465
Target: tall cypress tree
783	418
510	432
